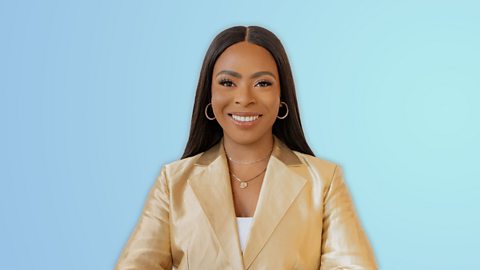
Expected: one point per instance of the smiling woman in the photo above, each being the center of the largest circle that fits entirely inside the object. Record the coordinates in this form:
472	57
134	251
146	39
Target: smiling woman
246	93
248	192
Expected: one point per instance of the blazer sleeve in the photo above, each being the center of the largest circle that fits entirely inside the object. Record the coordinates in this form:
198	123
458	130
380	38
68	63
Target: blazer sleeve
344	243
148	247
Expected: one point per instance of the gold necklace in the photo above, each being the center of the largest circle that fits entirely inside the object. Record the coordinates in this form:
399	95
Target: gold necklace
244	183
247	162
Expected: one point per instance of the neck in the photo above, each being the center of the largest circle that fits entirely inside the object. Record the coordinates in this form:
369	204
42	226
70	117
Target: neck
248	152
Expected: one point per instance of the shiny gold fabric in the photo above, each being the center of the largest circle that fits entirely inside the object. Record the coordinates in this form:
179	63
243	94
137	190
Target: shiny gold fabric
304	218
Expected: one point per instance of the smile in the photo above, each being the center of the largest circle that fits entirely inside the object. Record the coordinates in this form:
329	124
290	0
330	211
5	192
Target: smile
245	118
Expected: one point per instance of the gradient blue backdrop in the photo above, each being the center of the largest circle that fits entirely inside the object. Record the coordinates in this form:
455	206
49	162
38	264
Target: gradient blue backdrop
97	95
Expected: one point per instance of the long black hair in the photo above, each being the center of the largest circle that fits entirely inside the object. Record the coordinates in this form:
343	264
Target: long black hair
205	133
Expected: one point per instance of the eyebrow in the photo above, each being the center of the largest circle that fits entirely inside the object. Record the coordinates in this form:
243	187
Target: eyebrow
238	75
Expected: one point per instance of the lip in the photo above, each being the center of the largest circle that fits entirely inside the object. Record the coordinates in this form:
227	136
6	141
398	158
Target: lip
245	125
245	113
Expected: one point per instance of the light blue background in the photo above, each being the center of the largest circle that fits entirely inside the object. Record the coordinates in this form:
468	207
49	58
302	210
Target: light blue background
97	95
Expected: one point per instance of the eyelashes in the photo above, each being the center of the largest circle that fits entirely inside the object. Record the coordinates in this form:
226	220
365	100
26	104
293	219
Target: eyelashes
225	82
229	83
263	83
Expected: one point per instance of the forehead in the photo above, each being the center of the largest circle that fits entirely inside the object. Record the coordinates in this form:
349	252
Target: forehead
246	57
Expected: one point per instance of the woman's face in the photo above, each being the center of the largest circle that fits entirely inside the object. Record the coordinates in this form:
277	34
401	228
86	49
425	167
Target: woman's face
245	92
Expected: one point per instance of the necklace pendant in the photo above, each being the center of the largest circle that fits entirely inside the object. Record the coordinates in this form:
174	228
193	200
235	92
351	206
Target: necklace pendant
243	184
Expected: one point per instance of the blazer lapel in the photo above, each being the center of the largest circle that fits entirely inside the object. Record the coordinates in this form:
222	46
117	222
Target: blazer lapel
282	183
212	188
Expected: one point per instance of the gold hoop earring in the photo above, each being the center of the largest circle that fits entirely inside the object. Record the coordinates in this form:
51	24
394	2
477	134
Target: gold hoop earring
286	114
206	112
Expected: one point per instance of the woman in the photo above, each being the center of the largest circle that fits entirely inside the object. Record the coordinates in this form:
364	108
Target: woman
248	192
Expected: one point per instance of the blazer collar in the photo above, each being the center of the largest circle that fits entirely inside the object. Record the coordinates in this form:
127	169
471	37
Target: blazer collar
283	181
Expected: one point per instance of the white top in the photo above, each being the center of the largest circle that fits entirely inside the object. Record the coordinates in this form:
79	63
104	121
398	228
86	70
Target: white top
244	224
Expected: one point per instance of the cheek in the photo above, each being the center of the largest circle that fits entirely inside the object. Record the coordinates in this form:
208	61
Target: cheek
274	112
273	103
219	101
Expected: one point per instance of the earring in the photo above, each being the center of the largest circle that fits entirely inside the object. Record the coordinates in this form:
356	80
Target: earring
206	112
283	117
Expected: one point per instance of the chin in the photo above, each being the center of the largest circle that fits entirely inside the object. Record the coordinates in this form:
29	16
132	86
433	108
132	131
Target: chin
245	138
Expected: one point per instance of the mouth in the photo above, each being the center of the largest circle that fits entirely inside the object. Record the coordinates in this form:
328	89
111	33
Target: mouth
245	119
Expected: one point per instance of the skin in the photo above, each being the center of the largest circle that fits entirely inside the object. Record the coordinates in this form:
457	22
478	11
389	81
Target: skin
245	80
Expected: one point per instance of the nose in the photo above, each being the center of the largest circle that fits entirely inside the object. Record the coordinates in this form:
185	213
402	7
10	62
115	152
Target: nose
244	96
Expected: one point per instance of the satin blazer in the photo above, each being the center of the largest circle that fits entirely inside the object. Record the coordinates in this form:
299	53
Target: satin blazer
304	218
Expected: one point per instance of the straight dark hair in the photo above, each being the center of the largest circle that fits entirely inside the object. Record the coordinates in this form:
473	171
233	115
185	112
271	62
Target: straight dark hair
205	133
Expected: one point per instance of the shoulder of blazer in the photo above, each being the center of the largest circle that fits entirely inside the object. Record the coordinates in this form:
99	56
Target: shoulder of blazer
179	169
323	168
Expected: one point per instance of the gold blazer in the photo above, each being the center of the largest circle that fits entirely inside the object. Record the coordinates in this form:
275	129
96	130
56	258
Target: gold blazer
304	219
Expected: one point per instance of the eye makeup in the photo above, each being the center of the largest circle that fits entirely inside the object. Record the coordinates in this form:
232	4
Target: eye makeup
225	82
263	83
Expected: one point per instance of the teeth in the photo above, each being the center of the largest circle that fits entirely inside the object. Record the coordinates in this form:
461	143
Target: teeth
244	118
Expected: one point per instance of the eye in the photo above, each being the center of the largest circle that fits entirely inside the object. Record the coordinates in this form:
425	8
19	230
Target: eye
263	83
226	82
